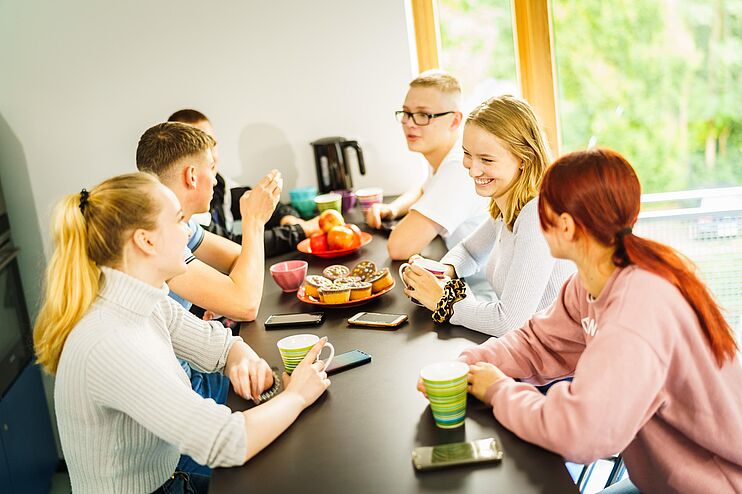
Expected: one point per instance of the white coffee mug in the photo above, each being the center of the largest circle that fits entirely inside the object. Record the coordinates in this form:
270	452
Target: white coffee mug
437	268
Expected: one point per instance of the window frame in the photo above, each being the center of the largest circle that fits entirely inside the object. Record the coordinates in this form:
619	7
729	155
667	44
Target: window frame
533	36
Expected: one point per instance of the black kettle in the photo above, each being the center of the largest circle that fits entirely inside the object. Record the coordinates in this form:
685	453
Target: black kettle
332	159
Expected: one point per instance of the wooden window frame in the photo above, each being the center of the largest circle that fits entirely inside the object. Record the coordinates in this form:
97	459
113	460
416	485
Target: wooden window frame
427	33
533	35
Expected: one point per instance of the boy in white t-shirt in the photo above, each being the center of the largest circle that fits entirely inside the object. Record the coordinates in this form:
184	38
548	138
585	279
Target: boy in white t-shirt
445	204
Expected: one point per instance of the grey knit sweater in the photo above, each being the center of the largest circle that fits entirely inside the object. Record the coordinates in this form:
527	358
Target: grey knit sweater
520	269
125	408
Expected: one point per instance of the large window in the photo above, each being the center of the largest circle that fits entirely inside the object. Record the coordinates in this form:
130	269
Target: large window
477	46
661	82
658	80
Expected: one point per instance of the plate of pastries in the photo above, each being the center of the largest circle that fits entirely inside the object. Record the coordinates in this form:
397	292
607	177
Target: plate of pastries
341	286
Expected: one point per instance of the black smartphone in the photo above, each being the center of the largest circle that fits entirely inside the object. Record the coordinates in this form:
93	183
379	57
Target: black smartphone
377	319
278	321
347	360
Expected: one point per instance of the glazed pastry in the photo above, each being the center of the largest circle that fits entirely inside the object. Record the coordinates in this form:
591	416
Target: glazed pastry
348	280
381	280
333	294
312	284
364	269
336	271
361	289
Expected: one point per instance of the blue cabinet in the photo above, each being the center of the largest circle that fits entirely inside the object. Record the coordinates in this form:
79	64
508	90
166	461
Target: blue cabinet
28	455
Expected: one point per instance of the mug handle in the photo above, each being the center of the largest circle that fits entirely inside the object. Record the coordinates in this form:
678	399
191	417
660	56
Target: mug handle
329	359
404	266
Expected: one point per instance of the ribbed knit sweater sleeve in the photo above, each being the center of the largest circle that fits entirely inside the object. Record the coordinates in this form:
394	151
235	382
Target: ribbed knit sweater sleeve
526	277
125	375
204	344
470	255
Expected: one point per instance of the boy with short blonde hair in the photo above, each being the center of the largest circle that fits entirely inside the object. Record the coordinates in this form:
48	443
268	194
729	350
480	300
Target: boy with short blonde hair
443	81
445	204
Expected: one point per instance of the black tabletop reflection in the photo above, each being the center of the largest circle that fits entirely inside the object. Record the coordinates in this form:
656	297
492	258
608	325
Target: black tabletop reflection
359	436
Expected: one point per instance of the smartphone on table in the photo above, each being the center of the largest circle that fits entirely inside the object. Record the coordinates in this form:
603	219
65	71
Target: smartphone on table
347	360
278	321
377	319
445	455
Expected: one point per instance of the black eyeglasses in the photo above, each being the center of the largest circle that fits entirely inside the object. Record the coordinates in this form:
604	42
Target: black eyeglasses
419	118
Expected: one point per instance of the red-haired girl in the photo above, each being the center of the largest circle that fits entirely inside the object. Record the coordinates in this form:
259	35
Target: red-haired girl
656	371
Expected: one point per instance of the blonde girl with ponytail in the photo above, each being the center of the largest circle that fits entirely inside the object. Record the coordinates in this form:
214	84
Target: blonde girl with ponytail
112	336
73	274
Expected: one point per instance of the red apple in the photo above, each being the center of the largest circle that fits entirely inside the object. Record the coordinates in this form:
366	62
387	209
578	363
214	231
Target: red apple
330	218
340	238
356	233
318	242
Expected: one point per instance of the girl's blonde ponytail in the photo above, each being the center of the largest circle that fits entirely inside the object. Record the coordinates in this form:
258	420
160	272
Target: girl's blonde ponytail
71	283
85	238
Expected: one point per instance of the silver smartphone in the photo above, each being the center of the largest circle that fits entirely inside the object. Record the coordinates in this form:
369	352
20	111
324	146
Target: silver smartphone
444	455
377	320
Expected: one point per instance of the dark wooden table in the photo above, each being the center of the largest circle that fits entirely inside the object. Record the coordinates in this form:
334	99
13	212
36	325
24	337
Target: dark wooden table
359	436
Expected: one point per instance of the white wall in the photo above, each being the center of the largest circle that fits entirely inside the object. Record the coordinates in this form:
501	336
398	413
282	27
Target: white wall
80	80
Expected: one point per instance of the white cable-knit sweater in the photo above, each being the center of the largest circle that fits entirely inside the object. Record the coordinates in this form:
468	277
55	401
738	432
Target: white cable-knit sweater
519	267
125	408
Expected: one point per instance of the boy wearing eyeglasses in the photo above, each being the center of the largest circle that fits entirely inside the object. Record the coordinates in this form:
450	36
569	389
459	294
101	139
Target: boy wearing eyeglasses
445	204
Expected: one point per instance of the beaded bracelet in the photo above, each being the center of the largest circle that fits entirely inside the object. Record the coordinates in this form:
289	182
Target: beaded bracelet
267	395
453	291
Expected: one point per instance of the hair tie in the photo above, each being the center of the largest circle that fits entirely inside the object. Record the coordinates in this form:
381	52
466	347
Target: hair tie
83	199
620	256
623	232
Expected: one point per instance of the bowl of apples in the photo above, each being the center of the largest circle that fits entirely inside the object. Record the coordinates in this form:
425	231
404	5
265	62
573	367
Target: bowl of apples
338	238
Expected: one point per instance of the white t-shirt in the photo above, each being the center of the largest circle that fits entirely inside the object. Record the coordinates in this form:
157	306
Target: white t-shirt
450	200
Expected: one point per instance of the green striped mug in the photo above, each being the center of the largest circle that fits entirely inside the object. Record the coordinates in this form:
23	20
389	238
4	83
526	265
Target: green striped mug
294	348
446	385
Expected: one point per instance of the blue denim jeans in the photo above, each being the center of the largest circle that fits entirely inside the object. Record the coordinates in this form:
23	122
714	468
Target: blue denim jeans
208	385
184	483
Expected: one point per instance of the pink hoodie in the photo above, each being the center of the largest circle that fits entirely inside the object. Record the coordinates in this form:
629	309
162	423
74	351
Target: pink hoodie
645	384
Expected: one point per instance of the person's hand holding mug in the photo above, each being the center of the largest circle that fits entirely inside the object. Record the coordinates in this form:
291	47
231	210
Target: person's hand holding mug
309	379
293	350
426	276
421	385
482	375
445	384
415	257
427	288
378	212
